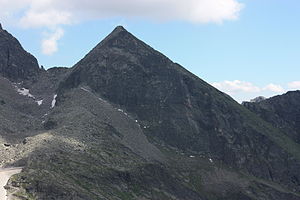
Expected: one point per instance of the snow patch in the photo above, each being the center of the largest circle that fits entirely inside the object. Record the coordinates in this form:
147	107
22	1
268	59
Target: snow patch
122	111
84	89
40	102
210	160
25	92
102	100
192	156
53	101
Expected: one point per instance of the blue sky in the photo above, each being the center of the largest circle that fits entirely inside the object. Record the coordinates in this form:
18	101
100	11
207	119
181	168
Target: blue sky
246	49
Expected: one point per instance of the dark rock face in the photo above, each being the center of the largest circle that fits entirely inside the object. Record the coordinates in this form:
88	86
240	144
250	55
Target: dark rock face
281	111
15	63
178	109
173	104
128	123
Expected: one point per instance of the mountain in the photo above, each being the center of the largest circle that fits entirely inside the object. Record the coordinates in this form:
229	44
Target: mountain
126	122
258	99
282	112
15	63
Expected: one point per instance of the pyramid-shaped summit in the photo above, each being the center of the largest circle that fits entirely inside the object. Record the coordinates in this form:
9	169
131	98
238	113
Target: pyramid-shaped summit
129	73
119	31
124	41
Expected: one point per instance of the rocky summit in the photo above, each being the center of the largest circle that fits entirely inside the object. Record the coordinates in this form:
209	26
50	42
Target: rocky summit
126	122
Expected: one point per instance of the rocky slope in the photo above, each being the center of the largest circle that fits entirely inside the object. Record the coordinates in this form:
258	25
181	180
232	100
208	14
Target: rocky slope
127	123
180	110
281	111
15	63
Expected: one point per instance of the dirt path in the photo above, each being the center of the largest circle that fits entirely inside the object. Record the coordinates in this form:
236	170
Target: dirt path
5	174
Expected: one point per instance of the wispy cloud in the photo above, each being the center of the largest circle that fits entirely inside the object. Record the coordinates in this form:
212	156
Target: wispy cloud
49	18
273	88
51	14
244	91
295	85
49	44
236	86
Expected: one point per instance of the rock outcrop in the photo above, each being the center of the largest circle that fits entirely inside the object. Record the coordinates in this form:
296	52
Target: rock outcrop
281	111
15	63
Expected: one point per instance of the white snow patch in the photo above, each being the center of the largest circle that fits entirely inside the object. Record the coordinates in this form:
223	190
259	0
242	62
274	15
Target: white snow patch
84	89
192	156
40	102
210	160
102	100
53	101
120	110
25	92
136	121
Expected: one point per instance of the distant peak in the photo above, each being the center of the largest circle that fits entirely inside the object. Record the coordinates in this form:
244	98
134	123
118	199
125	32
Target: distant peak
258	99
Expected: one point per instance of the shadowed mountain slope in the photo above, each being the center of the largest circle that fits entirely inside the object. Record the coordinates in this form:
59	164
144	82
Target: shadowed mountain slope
178	109
281	111
15	63
127	123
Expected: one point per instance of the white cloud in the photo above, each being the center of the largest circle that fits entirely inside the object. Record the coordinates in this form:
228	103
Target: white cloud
49	45
34	13
51	14
236	86
274	88
295	85
197	11
49	18
244	91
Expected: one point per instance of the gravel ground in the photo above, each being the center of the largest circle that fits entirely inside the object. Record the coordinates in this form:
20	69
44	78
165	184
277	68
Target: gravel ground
5	174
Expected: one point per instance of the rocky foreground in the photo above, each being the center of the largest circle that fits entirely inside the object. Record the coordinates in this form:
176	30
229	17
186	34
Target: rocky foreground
5	175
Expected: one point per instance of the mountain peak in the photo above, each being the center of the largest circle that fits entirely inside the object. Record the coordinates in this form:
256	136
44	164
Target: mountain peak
258	99
119	29
124	41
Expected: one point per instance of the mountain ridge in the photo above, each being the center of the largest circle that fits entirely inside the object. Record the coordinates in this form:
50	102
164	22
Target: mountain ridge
15	63
128	123
170	93
282	111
